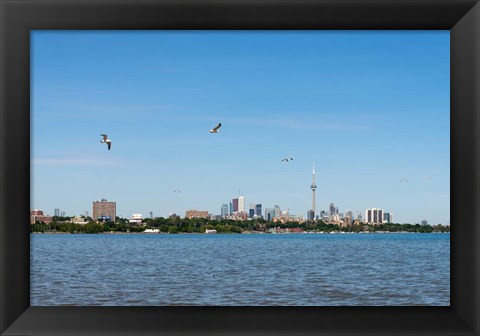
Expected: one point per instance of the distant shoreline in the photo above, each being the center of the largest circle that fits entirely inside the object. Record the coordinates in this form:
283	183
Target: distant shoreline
268	233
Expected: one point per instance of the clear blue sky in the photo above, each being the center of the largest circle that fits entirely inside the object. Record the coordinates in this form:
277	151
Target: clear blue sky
369	108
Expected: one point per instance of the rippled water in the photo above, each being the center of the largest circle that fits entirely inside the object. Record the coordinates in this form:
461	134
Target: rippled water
240	269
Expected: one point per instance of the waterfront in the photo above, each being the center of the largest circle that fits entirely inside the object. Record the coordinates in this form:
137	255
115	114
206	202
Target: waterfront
195	269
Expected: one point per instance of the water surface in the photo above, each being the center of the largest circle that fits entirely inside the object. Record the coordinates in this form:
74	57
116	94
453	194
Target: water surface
240	269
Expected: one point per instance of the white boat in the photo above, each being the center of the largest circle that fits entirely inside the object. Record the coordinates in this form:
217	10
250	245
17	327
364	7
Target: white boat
210	231
151	231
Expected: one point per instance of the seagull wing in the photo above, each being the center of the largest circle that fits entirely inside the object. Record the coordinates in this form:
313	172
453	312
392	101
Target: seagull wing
217	127
105	137
109	143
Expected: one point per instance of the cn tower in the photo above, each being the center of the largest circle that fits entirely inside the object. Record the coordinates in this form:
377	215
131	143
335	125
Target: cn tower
313	187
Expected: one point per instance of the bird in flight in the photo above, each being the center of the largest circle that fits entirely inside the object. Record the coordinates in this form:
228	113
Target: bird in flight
428	178
287	159
176	191
106	140
215	129
403	180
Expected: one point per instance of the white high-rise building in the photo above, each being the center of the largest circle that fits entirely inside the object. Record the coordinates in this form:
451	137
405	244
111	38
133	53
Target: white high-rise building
374	216
241	203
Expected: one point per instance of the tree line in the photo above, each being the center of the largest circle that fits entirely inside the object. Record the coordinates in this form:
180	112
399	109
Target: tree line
176	224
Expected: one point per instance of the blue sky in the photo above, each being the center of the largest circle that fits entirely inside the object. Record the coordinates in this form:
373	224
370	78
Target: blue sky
369	108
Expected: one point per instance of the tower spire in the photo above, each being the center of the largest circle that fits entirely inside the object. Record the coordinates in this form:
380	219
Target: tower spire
313	187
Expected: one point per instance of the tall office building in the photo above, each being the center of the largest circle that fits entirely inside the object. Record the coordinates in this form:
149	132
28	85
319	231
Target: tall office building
56	212
313	187
241	203
251	211
104	210
359	216
230	209
276	211
235	204
374	216
269	214
151	214
258	210
332	209
388	217
225	210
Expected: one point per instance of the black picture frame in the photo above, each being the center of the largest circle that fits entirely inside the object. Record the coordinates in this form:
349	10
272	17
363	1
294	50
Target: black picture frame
19	17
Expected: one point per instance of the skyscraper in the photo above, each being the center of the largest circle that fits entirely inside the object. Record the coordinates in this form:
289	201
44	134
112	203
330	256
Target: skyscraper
313	187
258	210
235	204
269	214
332	209
225	210
56	212
277	211
251	210
241	203
359	216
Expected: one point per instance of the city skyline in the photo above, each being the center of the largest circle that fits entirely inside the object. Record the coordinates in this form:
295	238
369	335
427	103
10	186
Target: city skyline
369	108
232	210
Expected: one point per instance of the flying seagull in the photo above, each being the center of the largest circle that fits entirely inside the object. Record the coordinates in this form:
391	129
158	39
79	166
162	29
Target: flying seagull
215	129
176	191
428	178
287	159
106	140
403	180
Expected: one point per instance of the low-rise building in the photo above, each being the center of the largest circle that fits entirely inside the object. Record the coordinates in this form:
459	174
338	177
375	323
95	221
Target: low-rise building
136	219
196	214
38	216
79	220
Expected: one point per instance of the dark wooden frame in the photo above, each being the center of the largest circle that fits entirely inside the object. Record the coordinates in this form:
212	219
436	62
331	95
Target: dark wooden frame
18	17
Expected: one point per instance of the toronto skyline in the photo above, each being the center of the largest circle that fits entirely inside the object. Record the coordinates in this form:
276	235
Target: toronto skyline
371	109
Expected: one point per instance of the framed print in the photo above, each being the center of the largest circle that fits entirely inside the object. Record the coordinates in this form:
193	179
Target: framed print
271	51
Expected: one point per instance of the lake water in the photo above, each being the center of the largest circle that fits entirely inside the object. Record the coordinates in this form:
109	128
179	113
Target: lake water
240	269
